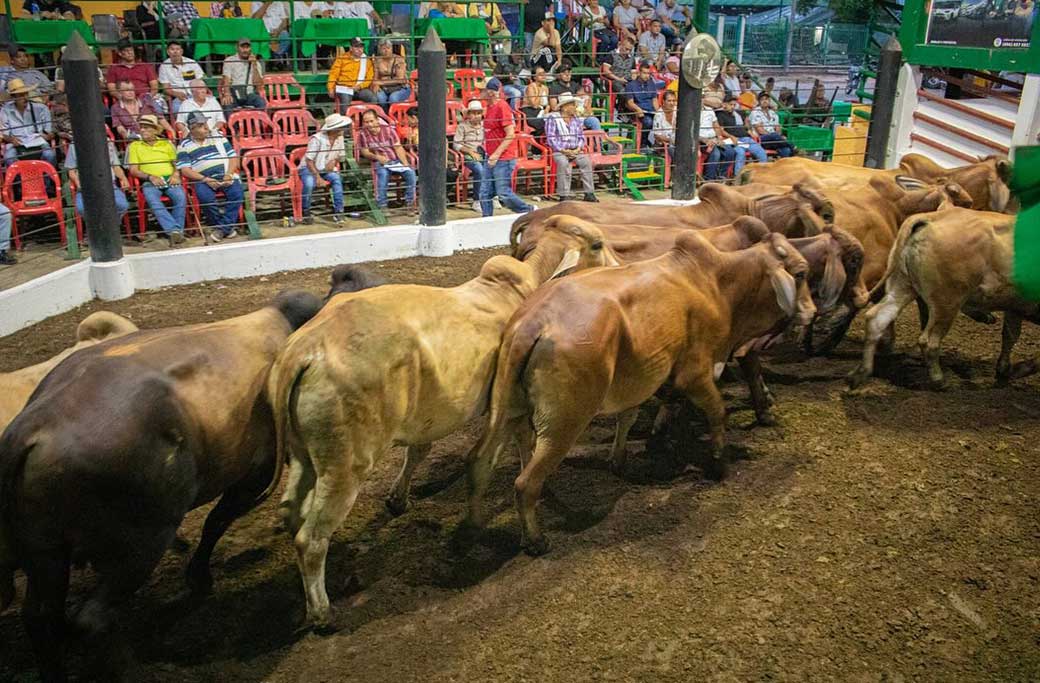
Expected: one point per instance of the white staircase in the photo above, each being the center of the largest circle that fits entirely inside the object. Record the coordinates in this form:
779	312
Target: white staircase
956	132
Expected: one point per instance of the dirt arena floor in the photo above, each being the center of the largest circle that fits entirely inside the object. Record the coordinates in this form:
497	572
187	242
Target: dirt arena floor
888	535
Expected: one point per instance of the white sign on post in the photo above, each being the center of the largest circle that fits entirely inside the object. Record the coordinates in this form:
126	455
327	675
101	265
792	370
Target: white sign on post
701	60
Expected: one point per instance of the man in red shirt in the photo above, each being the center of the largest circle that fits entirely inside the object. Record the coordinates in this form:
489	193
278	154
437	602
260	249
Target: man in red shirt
141	74
500	145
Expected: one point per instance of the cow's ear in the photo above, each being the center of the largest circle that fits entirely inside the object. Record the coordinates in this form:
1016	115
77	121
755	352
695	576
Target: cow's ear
786	290
567	263
1004	170
833	282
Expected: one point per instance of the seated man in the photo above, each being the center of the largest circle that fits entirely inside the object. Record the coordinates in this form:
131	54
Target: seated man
276	20
120	184
34	78
653	46
26	126
641	98
242	79
733	127
469	142
379	143
140	74
546	49
201	101
675	19
321	163
720	155
152	161
350	77
128	109
766	124
176	72
662	135
563	134
565	83
621	65
6	259
209	161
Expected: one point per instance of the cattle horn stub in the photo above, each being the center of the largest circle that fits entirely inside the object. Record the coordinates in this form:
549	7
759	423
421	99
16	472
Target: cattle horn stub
786	289
567	263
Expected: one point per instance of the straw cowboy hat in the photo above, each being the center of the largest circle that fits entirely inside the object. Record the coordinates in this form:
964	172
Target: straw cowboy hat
17	86
150	120
335	122
566	98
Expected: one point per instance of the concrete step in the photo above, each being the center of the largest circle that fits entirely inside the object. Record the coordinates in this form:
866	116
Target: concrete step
983	131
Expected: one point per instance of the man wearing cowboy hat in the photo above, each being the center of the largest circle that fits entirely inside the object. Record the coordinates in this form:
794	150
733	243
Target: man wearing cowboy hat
321	163
26	126
209	161
565	137
469	142
152	161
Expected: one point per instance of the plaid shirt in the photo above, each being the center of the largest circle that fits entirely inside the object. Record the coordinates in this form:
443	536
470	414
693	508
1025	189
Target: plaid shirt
382	142
561	135
180	14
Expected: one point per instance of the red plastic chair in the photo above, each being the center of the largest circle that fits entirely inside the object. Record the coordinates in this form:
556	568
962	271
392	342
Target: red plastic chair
594	147
463	180
142	207
526	162
294	126
261	166
34	201
399	114
253	130
467	79
278	95
454	111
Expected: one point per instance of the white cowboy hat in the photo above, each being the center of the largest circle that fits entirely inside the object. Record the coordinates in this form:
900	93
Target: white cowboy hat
475	105
566	98
335	122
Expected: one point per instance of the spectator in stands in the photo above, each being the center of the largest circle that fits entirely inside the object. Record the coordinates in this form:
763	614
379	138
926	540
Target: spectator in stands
409	132
51	9
500	144
498	33
731	79
625	18
201	101
719	155
766	124
653	46
534	11
228	9
675	19
34	78
379	143
128	109
507	72
663	133
26	126
670	74
595	18
565	83
209	161
622	64
140	74
715	88
351	77
732	124
176	72
747	99
536	101
390	82
120	183
59	77
564	136
320	167
179	14
152	160
641	97
546	48
469	142
243	79
148	20
276	20
6	259
359	9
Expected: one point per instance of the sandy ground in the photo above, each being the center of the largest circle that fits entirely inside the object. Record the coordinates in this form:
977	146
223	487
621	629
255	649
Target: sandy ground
889	534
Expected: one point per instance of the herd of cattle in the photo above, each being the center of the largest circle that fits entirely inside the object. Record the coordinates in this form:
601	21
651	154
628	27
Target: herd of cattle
108	445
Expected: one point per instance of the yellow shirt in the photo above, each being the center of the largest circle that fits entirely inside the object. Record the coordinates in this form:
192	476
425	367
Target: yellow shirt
154	159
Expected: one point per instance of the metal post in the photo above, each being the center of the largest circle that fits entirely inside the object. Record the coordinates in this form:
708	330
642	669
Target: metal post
720	29
741	31
701	15
433	141
88	129
790	36
687	142
884	103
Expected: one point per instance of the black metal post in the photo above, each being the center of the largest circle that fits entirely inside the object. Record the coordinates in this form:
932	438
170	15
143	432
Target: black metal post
433	141
884	103
88	130
687	141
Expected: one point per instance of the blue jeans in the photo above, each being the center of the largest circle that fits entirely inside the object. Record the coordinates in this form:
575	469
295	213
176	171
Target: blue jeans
592	123
502	185
399	95
512	94
383	180
221	217
778	142
170	220
607	41
309	181
47	153
121	204
718	159
5	228
757	153
365	95
481	177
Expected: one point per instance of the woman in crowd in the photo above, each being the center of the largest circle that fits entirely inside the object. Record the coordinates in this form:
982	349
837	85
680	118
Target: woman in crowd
536	101
391	75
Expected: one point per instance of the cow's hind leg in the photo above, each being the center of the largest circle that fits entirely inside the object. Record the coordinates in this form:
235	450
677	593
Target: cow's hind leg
939	322
299	493
880	317
397	502
698	383
236	501
44	612
1006	371
618	455
481	461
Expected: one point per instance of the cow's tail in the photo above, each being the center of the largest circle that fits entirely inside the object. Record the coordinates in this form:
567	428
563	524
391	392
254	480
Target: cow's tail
909	229
282	390
12	464
513	357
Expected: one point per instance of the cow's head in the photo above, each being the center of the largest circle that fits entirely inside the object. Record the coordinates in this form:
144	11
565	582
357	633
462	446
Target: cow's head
908	202
794	213
350	278
579	243
296	306
789	277
955	195
998	182
853	290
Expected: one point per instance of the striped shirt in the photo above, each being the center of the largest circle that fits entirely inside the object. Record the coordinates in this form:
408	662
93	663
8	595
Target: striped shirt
382	142
210	157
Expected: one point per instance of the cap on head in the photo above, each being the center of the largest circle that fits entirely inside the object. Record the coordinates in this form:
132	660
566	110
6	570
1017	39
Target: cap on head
123	44
244	41
357	42
197	117
493	84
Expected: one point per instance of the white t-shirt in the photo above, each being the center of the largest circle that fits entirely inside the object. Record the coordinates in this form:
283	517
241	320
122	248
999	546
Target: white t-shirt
321	150
211	108
177	76
707	128
662	131
355	10
626	17
275	15
770	120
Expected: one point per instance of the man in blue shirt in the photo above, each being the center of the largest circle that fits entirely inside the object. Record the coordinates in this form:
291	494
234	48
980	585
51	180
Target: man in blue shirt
207	159
641	98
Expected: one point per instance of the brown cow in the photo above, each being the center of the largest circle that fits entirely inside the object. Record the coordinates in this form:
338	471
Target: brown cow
19	385
605	340
949	259
789	213
117	444
400	364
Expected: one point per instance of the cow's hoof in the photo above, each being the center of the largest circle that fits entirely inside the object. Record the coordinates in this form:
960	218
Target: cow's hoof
1022	369
200	581
856	378
397	506
536	547
940	384
618	467
716	468
321	623
766	419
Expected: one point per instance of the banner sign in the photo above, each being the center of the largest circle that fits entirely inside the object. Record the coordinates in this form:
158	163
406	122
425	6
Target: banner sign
981	23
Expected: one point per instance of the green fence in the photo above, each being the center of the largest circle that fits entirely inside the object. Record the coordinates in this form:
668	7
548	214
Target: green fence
824	45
